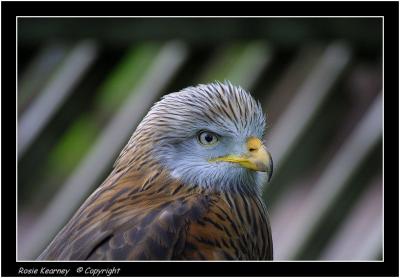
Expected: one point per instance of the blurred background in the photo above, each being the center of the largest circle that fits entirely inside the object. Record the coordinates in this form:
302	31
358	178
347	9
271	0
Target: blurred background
84	85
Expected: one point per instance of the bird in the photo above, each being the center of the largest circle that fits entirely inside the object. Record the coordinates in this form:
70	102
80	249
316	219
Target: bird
187	186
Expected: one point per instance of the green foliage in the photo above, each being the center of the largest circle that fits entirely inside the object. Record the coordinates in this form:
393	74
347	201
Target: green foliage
127	74
73	145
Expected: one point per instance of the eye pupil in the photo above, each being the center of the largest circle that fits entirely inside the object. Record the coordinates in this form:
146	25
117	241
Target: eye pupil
208	138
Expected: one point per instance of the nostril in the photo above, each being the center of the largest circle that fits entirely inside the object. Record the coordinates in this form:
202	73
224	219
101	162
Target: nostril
253	144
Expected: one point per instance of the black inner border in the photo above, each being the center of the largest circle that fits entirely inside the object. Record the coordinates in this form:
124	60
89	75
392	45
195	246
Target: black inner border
389	267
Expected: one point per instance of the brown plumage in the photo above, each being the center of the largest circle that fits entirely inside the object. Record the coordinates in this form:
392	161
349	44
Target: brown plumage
146	210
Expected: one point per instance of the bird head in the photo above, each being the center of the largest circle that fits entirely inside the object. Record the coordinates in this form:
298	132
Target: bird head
209	135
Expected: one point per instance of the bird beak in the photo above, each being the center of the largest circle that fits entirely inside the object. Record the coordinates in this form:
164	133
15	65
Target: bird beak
257	158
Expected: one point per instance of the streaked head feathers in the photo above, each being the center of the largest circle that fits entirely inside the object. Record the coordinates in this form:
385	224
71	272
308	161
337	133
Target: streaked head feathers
171	130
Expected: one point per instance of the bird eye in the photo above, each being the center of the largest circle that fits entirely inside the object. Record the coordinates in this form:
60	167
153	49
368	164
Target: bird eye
207	138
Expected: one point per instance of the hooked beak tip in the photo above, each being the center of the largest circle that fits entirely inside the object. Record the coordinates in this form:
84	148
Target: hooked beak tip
270	170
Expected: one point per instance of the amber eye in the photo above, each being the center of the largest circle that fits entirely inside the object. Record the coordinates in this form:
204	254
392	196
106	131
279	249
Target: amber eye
207	138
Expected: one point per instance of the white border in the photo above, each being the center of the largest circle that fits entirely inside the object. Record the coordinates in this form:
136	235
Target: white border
178	261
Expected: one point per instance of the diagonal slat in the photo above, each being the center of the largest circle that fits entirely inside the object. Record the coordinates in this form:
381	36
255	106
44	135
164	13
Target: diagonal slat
38	114
165	65
240	63
38	72
333	180
290	80
300	111
360	236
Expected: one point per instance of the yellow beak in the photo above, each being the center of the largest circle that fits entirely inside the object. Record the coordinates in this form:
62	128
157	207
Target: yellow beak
257	158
